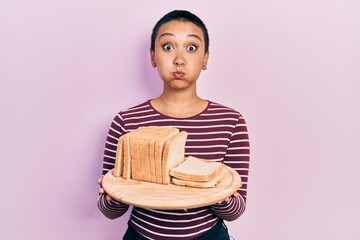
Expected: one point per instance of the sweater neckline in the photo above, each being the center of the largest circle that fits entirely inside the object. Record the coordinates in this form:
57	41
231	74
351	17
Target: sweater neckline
184	118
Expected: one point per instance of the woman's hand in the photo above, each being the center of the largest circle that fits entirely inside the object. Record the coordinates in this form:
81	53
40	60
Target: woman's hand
235	195
102	191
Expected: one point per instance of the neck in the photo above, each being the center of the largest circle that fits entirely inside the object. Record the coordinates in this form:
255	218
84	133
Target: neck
179	103
179	98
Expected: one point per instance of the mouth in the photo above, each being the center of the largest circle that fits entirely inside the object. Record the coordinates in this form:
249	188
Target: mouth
178	74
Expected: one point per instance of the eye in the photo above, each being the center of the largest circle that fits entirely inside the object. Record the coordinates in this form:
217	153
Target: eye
191	48
167	47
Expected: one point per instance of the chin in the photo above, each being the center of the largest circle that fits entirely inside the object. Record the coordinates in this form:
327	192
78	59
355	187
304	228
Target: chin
180	86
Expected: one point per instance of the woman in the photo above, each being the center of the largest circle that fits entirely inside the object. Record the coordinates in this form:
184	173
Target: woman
179	51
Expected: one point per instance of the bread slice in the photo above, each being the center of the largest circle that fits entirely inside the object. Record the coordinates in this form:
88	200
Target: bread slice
142	152
162	137
126	157
174	152
144	159
135	156
209	184
197	169
118	168
152	160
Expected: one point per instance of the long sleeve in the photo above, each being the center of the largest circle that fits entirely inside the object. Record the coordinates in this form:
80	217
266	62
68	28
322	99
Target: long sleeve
112	209
238	158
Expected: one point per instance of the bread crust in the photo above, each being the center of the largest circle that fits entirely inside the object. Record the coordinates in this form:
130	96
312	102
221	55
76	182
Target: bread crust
118	168
126	158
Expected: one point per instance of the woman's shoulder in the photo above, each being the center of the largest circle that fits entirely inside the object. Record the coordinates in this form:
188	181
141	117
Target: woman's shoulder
215	106
136	108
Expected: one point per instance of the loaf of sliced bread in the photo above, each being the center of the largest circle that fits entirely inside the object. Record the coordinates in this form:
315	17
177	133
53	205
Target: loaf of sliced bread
197	169
157	154
208	184
140	153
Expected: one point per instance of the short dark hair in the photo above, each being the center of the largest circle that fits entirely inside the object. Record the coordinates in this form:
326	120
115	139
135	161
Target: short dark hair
180	15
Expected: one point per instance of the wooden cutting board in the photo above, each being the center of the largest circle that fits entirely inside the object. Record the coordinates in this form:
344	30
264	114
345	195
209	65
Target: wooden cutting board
169	197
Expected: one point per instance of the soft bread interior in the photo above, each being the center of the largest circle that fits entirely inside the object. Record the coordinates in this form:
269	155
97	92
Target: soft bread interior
197	169
161	139
207	184
174	152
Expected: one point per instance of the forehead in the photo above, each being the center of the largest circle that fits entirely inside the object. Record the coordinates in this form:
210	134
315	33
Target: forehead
177	27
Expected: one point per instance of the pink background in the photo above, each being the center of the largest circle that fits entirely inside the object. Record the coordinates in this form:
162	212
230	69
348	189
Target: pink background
290	67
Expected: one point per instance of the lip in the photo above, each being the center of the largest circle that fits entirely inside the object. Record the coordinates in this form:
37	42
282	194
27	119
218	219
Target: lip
178	74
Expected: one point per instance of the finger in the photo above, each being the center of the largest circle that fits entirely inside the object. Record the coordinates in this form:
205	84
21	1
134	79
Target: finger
101	191
108	198
236	194
99	180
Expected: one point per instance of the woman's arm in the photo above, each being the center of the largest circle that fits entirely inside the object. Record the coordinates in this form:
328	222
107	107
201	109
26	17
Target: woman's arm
238	158
111	208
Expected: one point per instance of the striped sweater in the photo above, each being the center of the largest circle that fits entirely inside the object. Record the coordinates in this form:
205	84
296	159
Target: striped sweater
218	133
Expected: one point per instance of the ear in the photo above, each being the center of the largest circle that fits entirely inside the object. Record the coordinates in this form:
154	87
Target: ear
206	58
152	58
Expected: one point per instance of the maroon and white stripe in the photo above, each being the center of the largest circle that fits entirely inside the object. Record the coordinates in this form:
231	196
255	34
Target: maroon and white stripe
218	133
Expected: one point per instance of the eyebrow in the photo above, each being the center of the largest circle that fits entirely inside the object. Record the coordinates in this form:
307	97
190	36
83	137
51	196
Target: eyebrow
172	35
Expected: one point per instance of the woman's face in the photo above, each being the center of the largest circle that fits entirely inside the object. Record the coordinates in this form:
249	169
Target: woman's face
179	54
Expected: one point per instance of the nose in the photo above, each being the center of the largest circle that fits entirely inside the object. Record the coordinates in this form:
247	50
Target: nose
179	60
